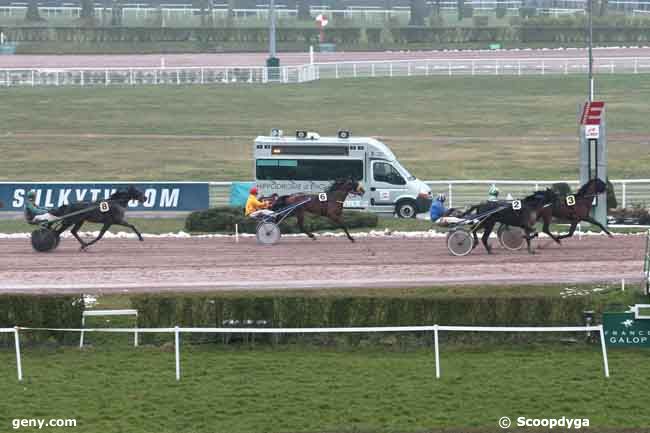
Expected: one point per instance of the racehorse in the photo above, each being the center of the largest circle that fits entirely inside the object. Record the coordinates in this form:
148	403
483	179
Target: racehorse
518	213
574	208
327	204
107	212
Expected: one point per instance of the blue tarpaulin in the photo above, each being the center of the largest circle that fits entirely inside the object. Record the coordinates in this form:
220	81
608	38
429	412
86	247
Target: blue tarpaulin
239	193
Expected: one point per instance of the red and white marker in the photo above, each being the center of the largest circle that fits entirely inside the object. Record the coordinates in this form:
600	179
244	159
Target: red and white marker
322	21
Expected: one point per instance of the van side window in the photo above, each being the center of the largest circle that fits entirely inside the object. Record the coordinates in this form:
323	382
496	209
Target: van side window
384	172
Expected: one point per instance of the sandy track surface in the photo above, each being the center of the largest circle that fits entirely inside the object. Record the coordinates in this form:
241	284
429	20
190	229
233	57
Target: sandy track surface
202	264
287	59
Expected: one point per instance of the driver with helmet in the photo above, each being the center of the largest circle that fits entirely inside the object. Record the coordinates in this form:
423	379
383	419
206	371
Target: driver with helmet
256	208
440	214
35	214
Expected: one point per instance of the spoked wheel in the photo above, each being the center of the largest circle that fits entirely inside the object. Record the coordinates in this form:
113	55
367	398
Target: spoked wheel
44	240
511	238
460	242
268	233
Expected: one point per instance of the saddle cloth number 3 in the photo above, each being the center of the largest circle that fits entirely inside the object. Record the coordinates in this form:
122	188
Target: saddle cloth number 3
571	200
104	207
322	196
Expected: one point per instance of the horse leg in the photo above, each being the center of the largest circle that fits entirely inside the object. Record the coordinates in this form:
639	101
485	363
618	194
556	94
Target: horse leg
74	231
300	216
593	221
341	224
487	230
529	237
101	234
572	230
132	227
546	229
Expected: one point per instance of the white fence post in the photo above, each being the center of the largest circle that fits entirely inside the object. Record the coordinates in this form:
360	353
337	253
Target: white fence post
178	355
19	365
450	196
437	352
135	334
81	335
336	70
604	349
636	65
354	70
624	195
518	67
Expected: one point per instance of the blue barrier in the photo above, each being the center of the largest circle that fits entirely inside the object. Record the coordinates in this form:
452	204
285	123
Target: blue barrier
160	196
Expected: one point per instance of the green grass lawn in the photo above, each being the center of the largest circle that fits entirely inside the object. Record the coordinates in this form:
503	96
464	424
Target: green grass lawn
321	390
439	127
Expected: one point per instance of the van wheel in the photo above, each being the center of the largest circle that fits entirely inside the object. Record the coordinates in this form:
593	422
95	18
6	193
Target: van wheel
406	209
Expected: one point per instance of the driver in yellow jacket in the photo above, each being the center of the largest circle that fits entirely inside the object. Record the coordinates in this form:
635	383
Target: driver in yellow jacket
256	208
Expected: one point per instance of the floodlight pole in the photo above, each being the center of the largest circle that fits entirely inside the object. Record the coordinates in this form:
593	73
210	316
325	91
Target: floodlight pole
591	58
272	29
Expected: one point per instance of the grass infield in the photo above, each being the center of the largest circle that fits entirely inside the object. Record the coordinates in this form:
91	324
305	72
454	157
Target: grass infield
322	390
439	127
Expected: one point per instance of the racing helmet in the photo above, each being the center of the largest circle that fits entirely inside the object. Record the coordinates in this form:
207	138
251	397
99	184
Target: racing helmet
31	195
253	190
493	192
441	197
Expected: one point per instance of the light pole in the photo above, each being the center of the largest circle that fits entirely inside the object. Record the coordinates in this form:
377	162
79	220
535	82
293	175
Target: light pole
272	63
272	29
590	36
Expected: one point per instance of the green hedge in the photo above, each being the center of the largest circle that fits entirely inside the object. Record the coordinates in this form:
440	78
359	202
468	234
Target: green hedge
40	312
223	219
527	30
296	312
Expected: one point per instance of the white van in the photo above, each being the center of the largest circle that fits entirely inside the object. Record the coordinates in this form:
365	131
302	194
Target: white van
308	163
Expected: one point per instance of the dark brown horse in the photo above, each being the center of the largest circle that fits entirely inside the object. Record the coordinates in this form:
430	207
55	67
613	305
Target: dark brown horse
328	204
518	213
574	208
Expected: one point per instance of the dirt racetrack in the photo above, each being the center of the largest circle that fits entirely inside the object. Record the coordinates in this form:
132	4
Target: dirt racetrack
202	264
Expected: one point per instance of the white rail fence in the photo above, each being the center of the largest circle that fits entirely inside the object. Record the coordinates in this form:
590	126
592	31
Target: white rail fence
137	76
436	329
629	192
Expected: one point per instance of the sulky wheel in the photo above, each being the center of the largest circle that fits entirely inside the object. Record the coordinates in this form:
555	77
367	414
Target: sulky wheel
460	242
44	240
511	238
268	233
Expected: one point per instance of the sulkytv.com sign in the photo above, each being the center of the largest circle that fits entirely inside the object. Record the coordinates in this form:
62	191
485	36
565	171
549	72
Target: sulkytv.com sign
177	196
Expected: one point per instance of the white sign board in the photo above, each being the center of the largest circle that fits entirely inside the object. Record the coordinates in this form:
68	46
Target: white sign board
592	131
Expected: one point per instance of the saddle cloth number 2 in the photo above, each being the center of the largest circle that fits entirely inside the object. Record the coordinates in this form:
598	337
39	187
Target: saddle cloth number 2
516	204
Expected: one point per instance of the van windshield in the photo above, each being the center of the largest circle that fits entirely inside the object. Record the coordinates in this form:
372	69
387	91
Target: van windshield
404	171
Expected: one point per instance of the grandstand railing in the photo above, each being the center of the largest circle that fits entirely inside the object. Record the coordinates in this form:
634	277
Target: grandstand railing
302	73
631	192
435	329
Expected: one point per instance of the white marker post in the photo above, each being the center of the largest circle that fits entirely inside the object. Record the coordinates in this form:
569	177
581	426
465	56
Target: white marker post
19	365
602	345
435	345
311	54
178	355
236	233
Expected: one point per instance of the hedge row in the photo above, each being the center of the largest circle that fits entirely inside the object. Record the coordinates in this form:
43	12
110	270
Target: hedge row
38	312
294	312
344	36
223	219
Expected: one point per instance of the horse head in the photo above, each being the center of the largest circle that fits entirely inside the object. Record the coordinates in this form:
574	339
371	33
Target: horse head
593	187
131	193
349	186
